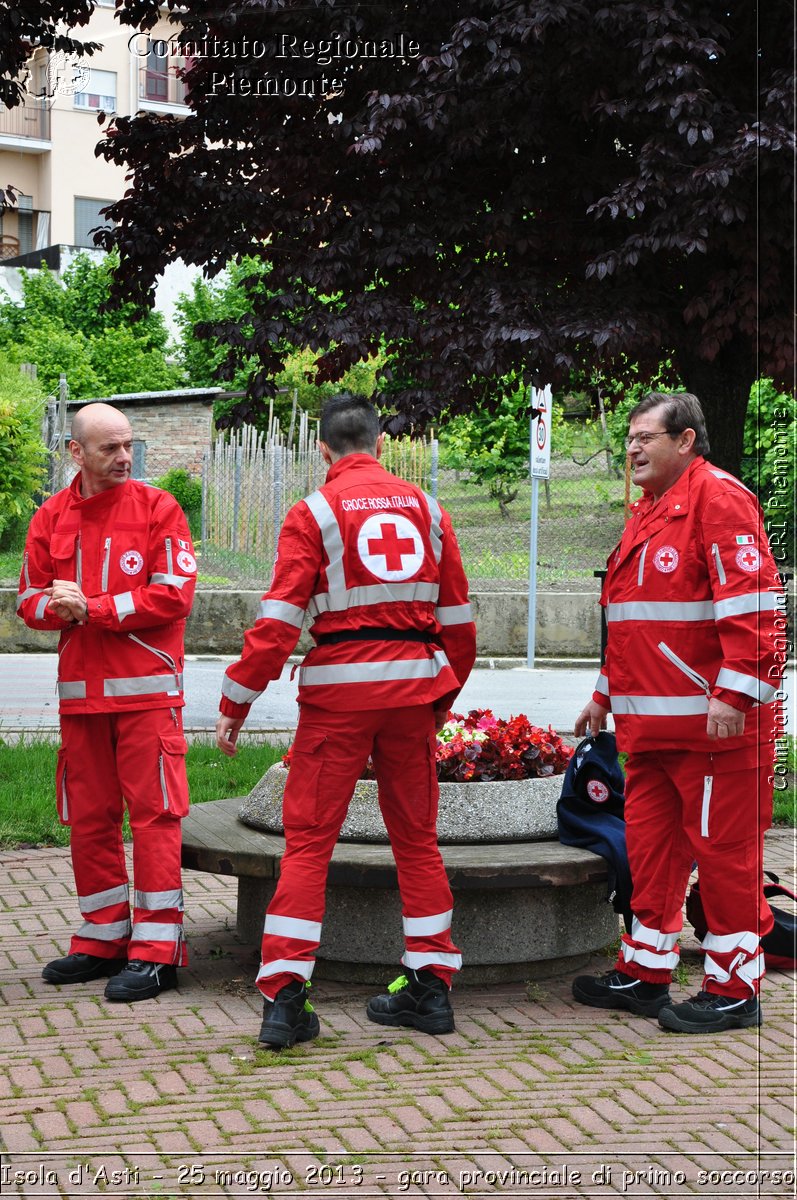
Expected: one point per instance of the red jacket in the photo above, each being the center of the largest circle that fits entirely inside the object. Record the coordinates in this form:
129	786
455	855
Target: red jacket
129	550
694	609
366	550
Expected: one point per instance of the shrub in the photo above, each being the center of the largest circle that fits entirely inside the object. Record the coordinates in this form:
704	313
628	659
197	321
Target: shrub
187	491
768	465
23	455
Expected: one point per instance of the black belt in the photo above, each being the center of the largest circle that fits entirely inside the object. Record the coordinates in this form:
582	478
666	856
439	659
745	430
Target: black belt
375	635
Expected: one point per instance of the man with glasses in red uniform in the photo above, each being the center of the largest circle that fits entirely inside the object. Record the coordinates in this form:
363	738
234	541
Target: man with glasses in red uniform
692	599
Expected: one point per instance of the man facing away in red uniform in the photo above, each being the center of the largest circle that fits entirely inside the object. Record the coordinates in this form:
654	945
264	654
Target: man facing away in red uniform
374	562
693	603
109	562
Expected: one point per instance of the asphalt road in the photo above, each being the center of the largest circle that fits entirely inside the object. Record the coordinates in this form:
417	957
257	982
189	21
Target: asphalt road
548	695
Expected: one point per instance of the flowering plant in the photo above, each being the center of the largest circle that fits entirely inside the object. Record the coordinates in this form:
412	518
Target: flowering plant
484	748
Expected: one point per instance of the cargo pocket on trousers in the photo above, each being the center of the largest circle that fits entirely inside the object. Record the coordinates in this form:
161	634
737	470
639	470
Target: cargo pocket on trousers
62	788
301	800
434	787
171	772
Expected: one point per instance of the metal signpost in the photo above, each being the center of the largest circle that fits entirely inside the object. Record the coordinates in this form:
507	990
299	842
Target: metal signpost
540	465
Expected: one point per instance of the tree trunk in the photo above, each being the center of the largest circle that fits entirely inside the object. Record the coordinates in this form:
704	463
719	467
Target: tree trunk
723	389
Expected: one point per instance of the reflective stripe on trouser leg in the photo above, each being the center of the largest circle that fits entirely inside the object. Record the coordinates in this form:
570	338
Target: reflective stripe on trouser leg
151	767
98	857
733	957
649	948
404	763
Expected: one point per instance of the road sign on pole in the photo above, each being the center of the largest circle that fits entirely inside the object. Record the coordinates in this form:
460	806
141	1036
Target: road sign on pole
540	468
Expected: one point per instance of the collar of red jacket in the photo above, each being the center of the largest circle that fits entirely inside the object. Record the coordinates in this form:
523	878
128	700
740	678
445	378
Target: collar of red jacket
676	501
352	462
99	501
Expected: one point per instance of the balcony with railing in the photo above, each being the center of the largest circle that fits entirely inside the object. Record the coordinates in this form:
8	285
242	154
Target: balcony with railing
28	122
158	84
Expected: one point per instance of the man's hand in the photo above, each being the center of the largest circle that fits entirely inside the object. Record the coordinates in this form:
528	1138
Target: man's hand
67	600
227	730
724	721
591	720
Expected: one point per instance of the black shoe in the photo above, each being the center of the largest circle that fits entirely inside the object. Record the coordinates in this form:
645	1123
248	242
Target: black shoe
708	1012
141	981
418	999
80	968
289	1017
618	990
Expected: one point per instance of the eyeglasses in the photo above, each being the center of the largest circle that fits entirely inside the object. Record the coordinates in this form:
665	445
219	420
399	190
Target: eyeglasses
643	439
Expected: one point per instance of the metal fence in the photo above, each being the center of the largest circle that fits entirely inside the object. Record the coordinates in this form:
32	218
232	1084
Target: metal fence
250	481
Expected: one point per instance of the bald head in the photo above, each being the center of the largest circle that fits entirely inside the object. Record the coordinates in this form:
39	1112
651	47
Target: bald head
102	446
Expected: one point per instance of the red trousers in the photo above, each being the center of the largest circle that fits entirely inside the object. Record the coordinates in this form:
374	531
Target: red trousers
328	756
684	807
108	760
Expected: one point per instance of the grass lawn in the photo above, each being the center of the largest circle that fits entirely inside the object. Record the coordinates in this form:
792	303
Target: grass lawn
27	785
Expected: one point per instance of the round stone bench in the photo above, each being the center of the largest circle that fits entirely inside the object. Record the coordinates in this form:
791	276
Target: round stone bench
522	910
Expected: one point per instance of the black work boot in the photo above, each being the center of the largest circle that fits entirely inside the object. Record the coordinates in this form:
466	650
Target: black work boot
289	1017
615	989
141	981
708	1012
80	968
418	999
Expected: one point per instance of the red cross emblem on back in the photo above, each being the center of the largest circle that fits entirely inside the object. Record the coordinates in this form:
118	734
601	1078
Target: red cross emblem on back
390	547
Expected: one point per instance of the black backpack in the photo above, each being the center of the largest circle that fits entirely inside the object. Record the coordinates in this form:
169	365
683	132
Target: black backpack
779	945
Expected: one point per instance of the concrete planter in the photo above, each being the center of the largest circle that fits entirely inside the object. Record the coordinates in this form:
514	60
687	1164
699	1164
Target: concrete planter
519	810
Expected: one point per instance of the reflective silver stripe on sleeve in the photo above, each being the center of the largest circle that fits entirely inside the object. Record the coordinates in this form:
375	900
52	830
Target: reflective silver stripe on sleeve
291	966
75	690
105	933
733	479
660	610
26	595
332	538
281	610
377	593
237	693
659	706
425	926
154	901
759	689
602	685
454	614
435	530
124	604
98	900
173	580
374	672
154	931
41	608
750	602
143	685
417	959
292	927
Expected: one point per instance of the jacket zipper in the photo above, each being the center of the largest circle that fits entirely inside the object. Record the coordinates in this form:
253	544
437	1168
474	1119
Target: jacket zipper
105	565
715	550
642	557
79	562
169	562
687	670
167	658
64	798
26	571
708	784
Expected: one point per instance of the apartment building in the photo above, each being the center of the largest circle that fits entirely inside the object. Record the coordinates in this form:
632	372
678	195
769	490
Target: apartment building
47	143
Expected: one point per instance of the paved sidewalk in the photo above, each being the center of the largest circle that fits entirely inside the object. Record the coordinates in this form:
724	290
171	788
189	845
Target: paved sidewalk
533	1095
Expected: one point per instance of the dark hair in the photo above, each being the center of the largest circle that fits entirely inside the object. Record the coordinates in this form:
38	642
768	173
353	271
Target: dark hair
349	424
681	410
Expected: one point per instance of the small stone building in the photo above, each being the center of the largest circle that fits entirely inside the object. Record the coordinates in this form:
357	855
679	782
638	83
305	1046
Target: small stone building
170	429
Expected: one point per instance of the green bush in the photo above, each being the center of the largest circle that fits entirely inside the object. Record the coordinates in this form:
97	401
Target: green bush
768	465
22	452
187	491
